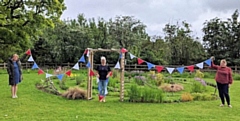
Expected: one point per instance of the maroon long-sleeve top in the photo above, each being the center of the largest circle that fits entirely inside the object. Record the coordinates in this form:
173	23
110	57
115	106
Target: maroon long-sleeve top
223	75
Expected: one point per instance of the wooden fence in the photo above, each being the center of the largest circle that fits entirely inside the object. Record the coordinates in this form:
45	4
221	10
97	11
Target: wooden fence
128	67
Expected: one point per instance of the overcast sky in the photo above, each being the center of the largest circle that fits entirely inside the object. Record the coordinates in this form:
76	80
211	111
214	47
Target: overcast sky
155	13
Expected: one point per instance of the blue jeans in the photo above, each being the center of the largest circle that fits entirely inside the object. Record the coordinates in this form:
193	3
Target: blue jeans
102	86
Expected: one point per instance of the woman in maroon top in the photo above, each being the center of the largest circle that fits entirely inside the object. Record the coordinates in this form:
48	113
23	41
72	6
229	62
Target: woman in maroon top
224	80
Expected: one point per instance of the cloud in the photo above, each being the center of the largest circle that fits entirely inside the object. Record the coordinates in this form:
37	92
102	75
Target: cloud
155	13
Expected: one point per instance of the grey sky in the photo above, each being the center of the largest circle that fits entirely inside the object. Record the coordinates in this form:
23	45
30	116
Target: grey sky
155	13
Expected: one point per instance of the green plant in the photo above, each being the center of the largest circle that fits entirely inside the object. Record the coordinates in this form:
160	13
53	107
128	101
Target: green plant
186	97
236	76
134	93
112	82
197	87
159	79
199	74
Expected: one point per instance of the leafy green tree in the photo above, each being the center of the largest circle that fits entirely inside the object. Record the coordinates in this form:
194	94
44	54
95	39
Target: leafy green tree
22	20
222	38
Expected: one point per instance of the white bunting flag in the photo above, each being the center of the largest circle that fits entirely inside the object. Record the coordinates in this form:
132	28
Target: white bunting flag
200	65
170	70
76	66
117	66
30	59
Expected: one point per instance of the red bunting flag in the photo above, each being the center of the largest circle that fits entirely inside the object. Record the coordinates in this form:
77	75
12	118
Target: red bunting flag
140	61
68	72
28	52
110	74
86	51
159	68
123	50
40	71
190	68
91	73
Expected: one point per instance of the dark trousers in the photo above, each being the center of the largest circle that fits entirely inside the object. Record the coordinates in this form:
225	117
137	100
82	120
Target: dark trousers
223	92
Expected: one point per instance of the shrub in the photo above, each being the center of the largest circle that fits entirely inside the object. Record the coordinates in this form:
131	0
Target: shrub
199	74
236	76
75	93
134	93
198	88
112	82
186	97
159	79
115	73
80	79
203	97
140	80
172	87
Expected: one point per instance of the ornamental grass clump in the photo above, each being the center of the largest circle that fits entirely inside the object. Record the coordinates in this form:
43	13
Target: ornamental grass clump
75	93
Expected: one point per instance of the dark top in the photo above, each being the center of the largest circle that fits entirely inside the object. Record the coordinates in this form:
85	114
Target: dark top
103	71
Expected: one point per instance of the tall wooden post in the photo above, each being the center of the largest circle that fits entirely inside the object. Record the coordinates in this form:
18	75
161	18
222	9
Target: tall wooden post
122	78
91	78
89	88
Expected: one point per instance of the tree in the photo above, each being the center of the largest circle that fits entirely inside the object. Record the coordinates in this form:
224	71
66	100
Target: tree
23	20
222	38
184	49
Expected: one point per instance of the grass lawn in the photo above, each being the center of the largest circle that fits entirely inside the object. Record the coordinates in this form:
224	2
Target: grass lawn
34	105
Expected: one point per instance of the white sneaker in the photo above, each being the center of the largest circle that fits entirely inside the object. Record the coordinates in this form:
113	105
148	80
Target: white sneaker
16	96
221	105
229	106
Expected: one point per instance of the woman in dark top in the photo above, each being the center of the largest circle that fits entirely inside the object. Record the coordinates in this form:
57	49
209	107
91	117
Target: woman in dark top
15	73
103	73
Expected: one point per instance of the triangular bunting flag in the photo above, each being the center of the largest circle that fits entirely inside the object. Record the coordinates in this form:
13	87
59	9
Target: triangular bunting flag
40	71
150	66
86	51
88	64
180	69
190	68
30	59
123	50
132	56
159	68
68	72
91	73
82	59
110	73
60	76
48	75
28	52
76	66
34	66
170	70
208	62
200	65
140	61
117	66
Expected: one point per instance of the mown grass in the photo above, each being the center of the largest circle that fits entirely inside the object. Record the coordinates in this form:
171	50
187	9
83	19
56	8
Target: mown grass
34	105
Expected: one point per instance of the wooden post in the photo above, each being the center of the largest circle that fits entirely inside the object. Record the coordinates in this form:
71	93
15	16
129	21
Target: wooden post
88	84
122	78
91	78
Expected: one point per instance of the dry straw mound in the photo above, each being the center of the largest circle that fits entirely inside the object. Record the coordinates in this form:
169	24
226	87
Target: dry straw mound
75	93
169	88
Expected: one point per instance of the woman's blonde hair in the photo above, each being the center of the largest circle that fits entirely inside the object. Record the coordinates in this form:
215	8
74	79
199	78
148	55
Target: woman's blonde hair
103	58
224	62
15	55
